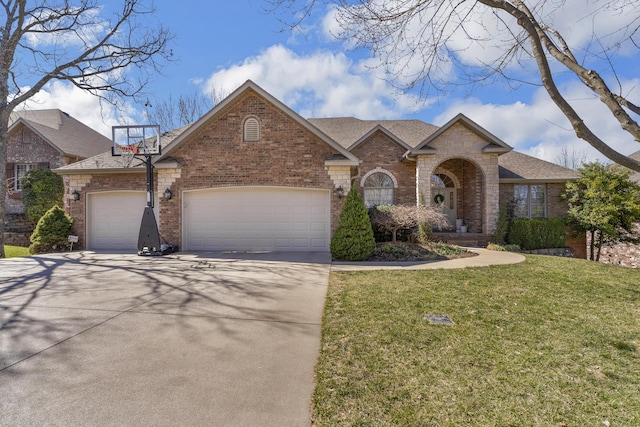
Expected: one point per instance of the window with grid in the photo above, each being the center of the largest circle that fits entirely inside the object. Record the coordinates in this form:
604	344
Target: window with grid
378	190
530	201
19	172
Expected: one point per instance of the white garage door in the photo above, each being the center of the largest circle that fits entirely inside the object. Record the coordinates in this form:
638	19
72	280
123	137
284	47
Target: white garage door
113	220
256	218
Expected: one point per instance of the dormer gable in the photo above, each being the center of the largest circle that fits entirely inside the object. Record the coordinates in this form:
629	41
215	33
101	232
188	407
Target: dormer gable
493	143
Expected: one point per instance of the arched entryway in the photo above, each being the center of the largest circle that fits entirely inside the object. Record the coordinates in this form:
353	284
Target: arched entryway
462	187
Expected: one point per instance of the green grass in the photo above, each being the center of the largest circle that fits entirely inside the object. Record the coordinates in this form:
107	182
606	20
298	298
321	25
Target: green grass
15	251
549	342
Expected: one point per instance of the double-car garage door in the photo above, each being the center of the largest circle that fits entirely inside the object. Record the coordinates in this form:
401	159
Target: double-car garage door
256	218
234	218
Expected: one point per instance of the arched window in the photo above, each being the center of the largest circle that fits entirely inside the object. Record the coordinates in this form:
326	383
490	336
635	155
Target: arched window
251	130
378	190
441	181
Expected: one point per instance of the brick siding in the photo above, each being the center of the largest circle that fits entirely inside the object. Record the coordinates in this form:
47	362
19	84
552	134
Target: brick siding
27	147
380	151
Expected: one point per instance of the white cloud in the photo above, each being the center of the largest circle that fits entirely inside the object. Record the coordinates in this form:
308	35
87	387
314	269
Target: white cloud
87	29
540	129
81	105
322	84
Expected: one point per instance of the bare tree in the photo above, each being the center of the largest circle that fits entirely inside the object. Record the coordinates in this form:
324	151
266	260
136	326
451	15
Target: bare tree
420	42
571	160
397	217
46	40
171	114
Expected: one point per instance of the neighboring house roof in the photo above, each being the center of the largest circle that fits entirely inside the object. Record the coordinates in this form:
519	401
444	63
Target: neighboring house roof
65	133
347	131
518	167
636	175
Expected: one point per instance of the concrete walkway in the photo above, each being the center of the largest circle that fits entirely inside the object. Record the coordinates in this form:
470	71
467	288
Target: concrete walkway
484	258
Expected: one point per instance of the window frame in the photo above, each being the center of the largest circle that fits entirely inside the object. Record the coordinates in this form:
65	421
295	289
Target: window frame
17	179
379	199
523	206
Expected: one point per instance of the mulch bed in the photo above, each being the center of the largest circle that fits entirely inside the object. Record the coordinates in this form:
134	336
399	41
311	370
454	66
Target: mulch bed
408	252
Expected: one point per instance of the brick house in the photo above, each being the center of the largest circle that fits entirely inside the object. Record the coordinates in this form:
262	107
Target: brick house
252	174
42	139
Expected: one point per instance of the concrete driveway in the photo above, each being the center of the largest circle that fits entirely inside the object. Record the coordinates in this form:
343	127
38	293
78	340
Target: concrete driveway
186	339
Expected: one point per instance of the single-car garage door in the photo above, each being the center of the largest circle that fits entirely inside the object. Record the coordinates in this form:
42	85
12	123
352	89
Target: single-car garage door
113	219
256	218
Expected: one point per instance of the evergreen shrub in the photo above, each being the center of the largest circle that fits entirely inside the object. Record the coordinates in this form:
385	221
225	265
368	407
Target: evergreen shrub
353	239
52	232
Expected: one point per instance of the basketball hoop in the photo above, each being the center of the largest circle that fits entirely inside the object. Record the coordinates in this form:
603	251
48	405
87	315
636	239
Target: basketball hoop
127	153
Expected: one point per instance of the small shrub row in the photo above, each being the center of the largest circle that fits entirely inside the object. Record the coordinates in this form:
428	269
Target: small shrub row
537	233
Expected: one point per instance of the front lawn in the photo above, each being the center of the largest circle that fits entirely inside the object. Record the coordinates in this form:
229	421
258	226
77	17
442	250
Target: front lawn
15	251
548	342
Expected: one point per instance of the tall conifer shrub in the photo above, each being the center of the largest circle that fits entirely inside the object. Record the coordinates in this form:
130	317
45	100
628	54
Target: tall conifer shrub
353	239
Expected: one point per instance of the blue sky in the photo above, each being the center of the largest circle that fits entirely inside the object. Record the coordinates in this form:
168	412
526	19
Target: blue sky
221	44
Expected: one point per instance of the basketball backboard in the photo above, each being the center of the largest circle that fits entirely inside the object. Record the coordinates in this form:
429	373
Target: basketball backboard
135	140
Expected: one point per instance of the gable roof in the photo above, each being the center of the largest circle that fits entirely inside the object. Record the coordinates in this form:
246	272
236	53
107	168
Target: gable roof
517	167
495	145
63	132
349	131
382	129
251	86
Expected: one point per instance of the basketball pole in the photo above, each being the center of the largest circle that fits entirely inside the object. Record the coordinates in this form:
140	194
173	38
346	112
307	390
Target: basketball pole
149	237
132	141
149	166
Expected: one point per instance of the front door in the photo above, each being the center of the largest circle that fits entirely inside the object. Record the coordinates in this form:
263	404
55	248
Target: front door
443	192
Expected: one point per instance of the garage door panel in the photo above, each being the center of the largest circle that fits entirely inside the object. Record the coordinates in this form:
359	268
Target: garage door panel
113	220
255	218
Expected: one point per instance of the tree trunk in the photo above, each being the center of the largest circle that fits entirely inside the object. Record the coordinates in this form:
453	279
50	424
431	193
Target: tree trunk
592	245
394	234
4	129
600	241
5	112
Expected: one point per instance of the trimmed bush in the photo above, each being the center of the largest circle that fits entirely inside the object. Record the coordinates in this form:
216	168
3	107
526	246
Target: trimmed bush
537	233
353	239
52	232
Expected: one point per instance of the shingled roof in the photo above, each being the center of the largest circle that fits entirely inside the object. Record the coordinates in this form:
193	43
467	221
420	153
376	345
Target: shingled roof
65	133
347	130
514	167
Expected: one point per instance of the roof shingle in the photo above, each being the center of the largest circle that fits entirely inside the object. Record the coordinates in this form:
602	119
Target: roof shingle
67	134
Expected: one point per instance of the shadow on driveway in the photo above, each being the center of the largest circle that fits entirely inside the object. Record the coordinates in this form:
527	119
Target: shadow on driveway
190	338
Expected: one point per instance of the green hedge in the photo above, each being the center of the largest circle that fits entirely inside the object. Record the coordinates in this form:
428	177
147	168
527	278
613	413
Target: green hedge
537	233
